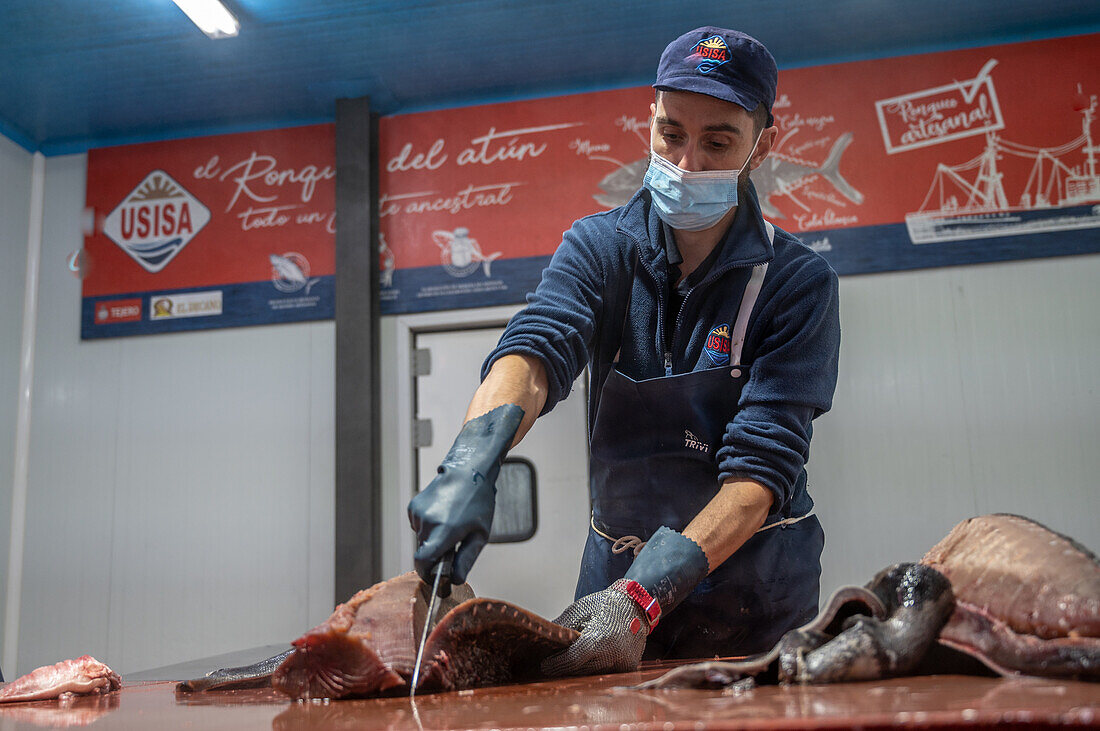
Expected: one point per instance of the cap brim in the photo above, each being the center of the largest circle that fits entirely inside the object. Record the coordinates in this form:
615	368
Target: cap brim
710	87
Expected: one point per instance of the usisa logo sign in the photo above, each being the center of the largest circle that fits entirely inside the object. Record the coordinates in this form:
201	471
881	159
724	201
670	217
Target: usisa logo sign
155	221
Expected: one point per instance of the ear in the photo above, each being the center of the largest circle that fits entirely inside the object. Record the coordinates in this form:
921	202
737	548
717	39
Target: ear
764	146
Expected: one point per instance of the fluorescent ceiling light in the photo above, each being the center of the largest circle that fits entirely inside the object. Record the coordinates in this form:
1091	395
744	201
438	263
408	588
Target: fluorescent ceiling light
211	17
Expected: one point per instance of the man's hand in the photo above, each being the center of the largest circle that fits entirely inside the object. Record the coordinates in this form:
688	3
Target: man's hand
613	630
455	508
455	511
615	622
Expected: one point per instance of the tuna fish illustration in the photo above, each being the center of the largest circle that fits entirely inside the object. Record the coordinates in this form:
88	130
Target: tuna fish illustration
618	187
782	174
461	254
290	272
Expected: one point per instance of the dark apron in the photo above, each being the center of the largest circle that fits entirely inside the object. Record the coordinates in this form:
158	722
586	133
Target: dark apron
653	464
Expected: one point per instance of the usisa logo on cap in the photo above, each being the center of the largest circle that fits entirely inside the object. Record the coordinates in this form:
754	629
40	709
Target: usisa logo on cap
712	52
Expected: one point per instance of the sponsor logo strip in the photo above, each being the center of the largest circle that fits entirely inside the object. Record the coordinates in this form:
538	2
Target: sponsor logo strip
109	311
194	304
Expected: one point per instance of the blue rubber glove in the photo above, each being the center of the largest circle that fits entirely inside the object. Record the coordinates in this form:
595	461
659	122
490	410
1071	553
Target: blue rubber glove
614	623
455	511
669	567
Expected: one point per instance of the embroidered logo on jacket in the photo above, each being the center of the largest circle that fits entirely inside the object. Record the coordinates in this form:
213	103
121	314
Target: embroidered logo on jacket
690	440
717	346
712	52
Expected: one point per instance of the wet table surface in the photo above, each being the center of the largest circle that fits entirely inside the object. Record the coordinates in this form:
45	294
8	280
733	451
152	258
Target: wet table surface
598	702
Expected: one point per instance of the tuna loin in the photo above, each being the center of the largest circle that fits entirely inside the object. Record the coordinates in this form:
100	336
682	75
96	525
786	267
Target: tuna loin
1027	599
69	677
368	646
1001	589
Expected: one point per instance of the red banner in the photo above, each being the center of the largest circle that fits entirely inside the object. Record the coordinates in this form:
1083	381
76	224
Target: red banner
210	232
946	158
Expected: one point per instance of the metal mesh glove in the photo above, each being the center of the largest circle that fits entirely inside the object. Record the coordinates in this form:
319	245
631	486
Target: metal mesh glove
613	631
455	511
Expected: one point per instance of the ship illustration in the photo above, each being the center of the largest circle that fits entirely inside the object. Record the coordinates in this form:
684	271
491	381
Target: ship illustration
1057	197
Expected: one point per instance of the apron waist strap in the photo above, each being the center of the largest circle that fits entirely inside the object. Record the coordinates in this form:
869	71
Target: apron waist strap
636	544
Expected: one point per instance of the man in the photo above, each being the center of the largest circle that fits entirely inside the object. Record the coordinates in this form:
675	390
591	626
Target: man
712	340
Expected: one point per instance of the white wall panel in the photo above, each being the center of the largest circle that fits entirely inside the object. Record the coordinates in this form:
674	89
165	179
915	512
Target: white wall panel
181	486
15	187
962	391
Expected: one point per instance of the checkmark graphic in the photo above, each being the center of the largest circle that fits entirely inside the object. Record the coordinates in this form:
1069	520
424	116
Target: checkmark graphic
976	82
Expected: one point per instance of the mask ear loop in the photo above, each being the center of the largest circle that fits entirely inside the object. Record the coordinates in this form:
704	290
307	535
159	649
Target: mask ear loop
751	152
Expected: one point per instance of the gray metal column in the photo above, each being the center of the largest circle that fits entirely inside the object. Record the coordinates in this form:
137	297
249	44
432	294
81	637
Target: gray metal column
358	475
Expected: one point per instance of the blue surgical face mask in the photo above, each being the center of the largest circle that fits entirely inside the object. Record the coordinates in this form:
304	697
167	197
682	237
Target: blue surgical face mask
691	201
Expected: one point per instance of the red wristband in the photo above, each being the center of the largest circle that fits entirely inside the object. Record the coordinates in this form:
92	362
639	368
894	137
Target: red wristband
649	605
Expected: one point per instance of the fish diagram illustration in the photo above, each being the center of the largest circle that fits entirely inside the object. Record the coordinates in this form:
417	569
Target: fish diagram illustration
460	254
781	174
290	272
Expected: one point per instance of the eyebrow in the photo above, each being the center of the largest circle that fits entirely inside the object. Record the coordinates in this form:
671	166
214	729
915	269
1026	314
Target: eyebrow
723	127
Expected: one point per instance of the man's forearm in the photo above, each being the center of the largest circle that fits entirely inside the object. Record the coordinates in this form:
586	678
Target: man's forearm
730	519
513	379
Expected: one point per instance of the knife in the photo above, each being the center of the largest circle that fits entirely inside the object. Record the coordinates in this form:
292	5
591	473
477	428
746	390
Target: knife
440	588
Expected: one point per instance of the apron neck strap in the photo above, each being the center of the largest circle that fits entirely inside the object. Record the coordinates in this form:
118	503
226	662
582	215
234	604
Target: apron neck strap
748	301
626	313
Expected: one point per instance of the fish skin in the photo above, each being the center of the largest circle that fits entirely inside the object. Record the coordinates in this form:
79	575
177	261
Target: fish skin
257	675
918	600
81	676
842	607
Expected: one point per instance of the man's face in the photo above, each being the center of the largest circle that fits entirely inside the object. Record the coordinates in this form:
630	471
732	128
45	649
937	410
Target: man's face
698	132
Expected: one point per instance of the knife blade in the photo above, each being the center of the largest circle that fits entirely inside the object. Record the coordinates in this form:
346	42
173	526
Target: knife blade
440	589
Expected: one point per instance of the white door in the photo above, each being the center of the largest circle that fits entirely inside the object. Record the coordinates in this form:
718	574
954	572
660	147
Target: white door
540	573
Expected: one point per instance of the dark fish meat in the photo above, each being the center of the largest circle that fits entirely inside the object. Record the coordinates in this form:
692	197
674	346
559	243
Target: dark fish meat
81	676
368	646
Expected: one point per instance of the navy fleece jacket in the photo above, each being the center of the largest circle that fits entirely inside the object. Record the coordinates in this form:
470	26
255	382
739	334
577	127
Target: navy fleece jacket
577	317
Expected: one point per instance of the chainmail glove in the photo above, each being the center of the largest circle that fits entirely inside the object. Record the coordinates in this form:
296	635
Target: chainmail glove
613	629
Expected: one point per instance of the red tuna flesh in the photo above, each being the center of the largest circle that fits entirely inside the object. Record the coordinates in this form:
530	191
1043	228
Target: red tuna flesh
368	646
1027	599
80	676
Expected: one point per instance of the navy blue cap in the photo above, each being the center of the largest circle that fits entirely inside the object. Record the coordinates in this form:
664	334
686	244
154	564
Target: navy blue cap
722	63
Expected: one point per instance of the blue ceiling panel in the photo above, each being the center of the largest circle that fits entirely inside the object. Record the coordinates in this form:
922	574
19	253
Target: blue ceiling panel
76	74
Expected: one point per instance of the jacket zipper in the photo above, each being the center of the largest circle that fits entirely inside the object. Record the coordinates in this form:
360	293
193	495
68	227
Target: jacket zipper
666	348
